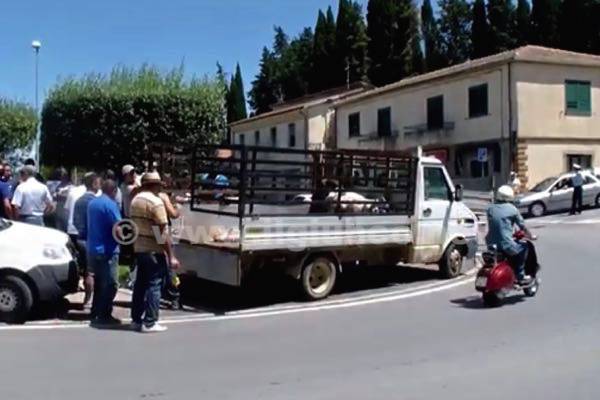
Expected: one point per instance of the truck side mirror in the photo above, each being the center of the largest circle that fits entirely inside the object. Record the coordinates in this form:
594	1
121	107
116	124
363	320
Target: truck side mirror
458	192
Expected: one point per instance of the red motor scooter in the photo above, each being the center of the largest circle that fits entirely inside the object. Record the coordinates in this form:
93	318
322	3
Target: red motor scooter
497	279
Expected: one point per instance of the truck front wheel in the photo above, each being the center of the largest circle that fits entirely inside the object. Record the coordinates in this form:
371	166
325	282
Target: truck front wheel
16	299
318	278
452	261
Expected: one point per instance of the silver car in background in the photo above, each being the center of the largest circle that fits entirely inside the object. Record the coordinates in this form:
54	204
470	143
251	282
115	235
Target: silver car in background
556	194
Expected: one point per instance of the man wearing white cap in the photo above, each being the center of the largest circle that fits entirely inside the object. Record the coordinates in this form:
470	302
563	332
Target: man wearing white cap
153	253
128	187
577	183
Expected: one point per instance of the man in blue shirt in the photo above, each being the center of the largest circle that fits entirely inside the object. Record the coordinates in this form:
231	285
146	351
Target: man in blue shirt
92	185
577	182
503	216
103	253
6	189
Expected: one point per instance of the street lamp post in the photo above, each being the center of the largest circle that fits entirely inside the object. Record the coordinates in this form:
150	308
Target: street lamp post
36	45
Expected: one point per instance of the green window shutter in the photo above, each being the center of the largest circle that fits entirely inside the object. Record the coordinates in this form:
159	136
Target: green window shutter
571	96
584	97
578	97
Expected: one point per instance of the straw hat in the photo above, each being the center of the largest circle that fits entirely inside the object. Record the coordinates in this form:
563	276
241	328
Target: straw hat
151	178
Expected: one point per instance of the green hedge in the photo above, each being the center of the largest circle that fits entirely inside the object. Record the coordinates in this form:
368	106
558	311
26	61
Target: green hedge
18	123
103	121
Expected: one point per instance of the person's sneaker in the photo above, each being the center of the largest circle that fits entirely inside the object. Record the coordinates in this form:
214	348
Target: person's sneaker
153	329
175	305
105	322
525	281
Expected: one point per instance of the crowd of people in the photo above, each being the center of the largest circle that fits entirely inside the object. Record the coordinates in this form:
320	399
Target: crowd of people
91	212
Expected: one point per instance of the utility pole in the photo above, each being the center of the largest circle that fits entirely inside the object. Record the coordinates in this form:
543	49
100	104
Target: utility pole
36	45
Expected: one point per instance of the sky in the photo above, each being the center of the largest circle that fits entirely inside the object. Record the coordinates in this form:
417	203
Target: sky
80	36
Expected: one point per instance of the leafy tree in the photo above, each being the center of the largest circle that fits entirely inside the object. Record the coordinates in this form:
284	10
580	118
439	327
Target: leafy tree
502	25
523	21
351	42
544	23
264	92
104	121
407	40
432	40
455	28
480	31
18	125
236	100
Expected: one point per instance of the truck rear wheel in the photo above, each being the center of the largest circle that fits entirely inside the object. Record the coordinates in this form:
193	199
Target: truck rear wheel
16	299
452	261
318	278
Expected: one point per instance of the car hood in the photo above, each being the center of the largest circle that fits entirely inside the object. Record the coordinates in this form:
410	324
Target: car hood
530	197
33	234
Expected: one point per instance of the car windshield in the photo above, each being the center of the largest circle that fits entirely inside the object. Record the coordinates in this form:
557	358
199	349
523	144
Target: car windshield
4	224
544	185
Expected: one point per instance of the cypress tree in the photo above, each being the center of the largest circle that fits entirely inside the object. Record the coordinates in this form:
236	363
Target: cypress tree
264	92
480	31
544	23
455	28
576	27
238	98
523	20
502	25
323	51
432	41
407	52
380	28
351	43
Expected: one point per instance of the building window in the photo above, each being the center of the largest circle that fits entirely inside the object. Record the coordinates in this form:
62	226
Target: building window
578	98
242	139
584	160
435	113
354	125
257	138
274	136
384	122
478	101
292	135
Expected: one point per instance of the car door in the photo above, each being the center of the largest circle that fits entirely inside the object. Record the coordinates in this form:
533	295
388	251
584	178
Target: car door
561	195
435	212
590	190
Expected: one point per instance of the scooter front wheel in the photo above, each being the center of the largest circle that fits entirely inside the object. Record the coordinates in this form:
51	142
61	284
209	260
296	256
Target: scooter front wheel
532	290
491	299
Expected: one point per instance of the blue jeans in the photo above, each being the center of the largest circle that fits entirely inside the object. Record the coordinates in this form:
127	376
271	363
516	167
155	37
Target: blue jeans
151	272
32	219
105	284
518	256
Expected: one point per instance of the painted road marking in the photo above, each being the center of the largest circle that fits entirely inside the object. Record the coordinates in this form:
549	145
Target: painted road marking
274	311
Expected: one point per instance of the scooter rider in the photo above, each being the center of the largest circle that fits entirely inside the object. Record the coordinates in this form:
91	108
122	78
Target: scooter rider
502	217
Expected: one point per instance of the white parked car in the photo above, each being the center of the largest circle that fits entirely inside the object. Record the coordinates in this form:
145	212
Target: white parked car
36	265
556	194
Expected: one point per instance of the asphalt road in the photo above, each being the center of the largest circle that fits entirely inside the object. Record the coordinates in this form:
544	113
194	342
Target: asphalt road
438	345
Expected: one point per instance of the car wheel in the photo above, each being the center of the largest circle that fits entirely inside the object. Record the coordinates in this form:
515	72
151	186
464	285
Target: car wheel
452	262
318	278
16	299
537	209
597	201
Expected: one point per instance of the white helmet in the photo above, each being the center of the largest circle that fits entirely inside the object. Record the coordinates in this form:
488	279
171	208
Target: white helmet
505	193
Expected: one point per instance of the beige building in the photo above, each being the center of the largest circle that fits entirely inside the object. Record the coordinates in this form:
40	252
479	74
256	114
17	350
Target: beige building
534	110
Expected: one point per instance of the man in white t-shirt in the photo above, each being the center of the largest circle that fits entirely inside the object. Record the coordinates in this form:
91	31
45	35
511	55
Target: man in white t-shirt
74	194
31	199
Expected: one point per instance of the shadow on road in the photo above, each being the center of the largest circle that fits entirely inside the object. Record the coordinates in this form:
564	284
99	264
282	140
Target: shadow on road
476	303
